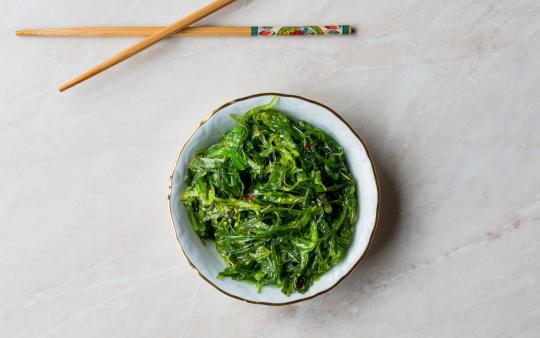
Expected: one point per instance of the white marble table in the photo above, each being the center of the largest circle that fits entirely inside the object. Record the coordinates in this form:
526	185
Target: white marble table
446	94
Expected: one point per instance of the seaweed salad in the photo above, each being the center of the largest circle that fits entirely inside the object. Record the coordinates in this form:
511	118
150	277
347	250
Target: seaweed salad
277	198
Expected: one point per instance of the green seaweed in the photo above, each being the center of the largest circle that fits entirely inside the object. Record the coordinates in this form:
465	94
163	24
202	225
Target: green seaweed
277	198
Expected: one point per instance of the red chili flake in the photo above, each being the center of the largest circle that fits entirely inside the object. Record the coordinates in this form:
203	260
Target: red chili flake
309	146
250	198
331	27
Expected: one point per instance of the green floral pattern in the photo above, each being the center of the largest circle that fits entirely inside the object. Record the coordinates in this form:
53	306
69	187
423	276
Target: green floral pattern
300	30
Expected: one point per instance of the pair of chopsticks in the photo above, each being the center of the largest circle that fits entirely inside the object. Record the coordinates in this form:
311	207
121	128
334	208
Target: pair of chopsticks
155	34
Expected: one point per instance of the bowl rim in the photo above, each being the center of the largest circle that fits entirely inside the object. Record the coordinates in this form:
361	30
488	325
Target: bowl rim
377	215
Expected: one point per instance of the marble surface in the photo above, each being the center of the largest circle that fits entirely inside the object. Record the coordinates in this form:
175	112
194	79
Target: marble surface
446	94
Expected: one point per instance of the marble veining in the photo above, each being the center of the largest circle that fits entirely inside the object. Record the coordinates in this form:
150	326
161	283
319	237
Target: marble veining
444	93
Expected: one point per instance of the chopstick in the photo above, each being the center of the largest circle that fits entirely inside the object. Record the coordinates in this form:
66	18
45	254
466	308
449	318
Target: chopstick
329	30
149	41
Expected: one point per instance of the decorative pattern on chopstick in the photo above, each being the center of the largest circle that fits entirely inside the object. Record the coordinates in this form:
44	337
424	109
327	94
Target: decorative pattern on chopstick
300	30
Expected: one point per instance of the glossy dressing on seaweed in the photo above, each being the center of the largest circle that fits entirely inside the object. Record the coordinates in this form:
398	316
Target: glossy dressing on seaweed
277	198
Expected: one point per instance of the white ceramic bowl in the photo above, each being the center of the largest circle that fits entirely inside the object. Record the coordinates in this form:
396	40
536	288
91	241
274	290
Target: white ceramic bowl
205	259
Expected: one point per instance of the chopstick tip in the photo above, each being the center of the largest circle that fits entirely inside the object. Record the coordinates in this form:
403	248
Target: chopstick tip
73	82
65	87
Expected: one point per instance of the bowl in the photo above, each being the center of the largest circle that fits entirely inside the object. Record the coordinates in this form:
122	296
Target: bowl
205	259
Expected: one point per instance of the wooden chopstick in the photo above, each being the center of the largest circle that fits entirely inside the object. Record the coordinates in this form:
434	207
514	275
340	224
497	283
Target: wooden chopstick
134	31
149	41
192	31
